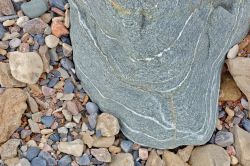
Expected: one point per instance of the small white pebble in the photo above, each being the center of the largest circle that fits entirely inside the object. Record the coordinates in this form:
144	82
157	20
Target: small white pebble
232	53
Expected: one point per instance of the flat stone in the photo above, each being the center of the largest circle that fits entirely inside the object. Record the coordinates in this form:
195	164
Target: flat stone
9	149
6	7
48	120
84	160
32	152
101	154
38	161
6	79
154	159
26	67
35	26
14	43
153	67
107	124
72	107
68	86
22	20
12	161
103	142
58	3
50	161
233	52
126	145
122	159
11	111
58	29
32	104
239	67
241	144
224	138
74	148
34	8
2	31
209	155
67	115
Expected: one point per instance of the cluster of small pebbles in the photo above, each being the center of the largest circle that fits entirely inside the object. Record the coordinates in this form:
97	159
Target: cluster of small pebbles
57	123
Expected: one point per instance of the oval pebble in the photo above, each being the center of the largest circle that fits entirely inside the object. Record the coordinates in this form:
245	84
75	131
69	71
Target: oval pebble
51	41
246	124
14	43
232	53
92	108
38	161
32	152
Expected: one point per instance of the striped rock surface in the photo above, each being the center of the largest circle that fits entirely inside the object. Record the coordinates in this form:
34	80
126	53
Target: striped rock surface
156	64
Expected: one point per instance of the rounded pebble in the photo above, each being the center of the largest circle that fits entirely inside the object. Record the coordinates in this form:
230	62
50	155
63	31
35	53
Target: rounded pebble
51	41
92	108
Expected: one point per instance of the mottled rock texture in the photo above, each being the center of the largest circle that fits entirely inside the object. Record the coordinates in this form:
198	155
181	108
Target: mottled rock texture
156	64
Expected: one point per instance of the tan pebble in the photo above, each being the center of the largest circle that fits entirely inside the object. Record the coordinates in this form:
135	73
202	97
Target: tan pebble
22	20
46	17
46	131
3	52
8	23
234	160
114	149
229	111
67	18
51	41
143	153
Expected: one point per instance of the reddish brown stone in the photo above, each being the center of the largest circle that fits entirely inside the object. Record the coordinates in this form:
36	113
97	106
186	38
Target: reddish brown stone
58	29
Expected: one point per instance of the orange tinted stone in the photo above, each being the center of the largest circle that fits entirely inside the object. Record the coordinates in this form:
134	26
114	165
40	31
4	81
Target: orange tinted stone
58	29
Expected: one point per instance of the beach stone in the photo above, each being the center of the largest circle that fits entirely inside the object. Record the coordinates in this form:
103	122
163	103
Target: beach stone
246	124
32	152
87	139
239	67
33	126
11	111
154	159
11	161
48	158
2	31
122	159
91	108
68	86
229	90
26	67
9	149
126	145
22	20
34	8
58	4
6	79
107	124
51	41
14	43
143	153
66	63
23	162
67	49
84	160
233	52
185	153
38	161
65	161
35	26
8	23
209	155
58	29
224	138
6	7
74	148
72	107
103	142
149	64
241	144
172	159
101	154
47	120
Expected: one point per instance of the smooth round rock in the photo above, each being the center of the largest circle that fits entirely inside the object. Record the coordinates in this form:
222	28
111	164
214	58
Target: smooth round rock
126	145
224	138
232	53
91	108
48	120
34	8
108	125
14	43
246	124
51	41
26	67
65	161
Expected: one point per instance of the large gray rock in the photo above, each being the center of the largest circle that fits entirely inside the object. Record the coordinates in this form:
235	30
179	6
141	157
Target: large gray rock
156	64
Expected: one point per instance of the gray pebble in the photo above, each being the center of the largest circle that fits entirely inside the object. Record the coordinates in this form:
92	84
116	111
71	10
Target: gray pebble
14	43
65	161
246	124
68	86
58	3
2	30
224	138
92	120
47	120
25	133
34	8
32	152
92	108
38	161
49	159
44	82
53	82
66	63
84	160
126	145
